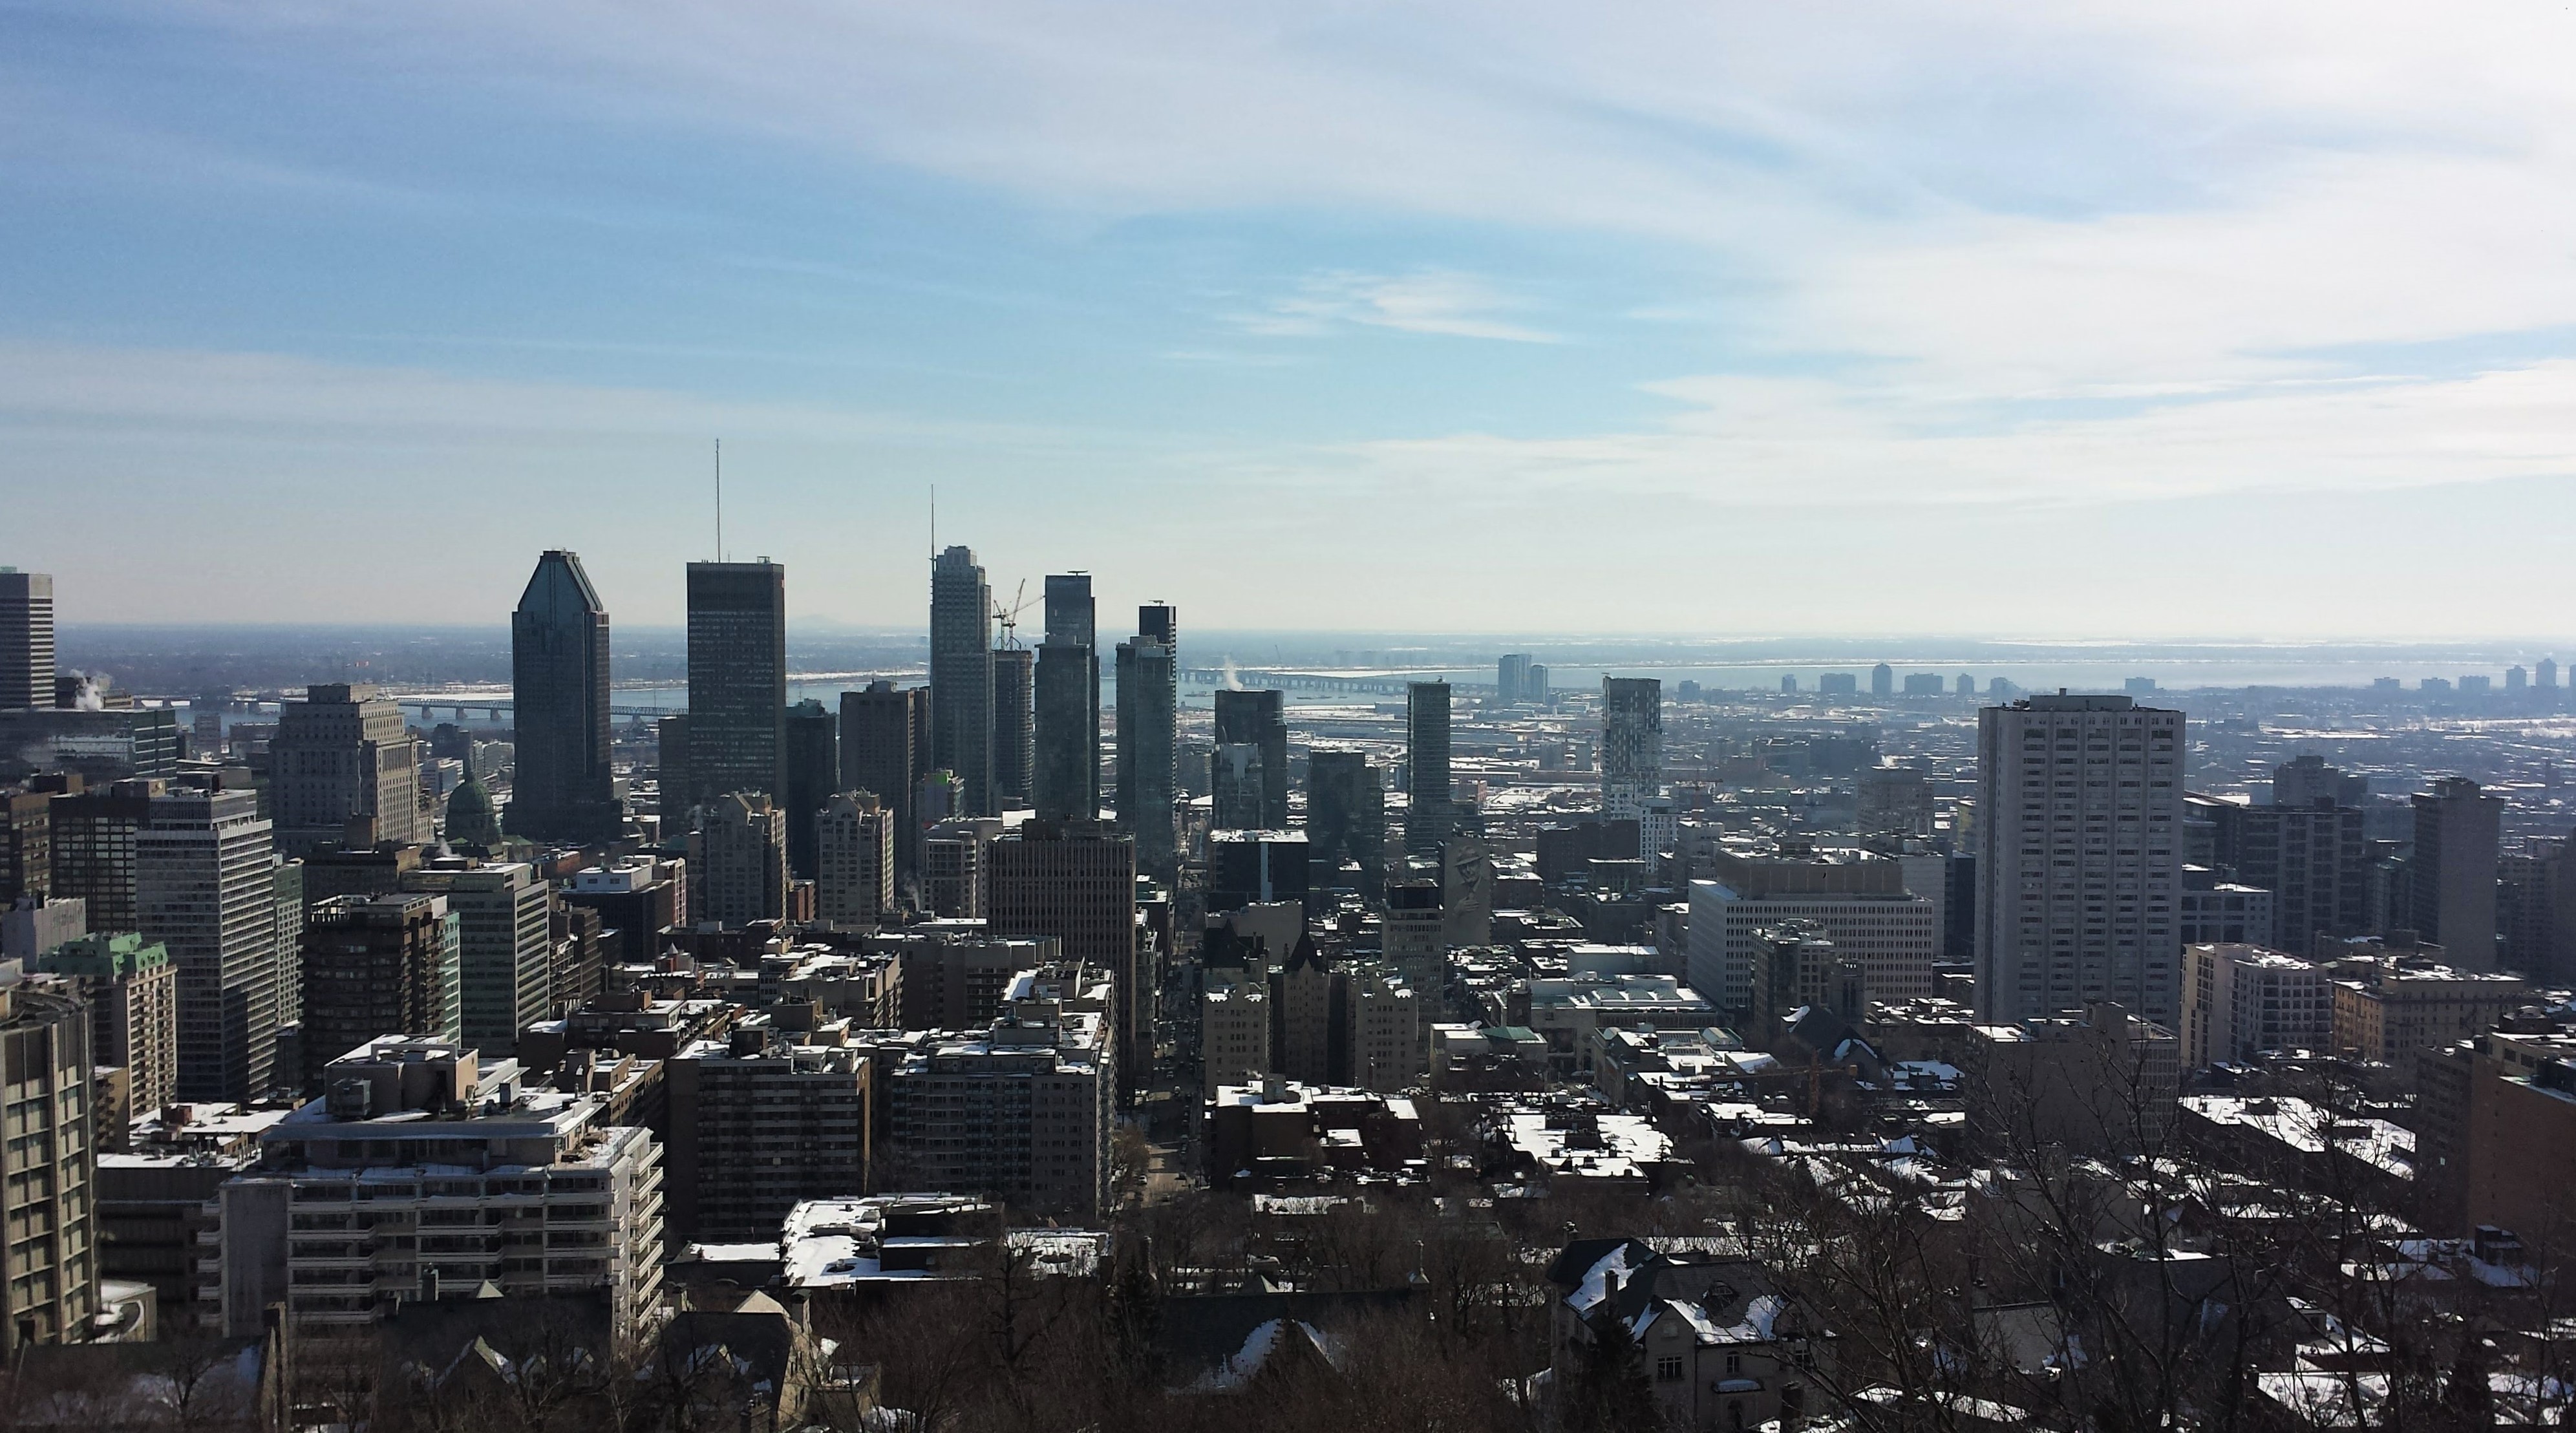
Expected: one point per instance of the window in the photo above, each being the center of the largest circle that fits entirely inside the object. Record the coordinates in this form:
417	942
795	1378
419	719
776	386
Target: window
1669	1370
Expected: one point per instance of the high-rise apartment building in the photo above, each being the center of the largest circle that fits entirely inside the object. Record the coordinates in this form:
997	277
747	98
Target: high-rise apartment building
1632	745
1511	677
206	887
2079	858
2458	832
761	1122
961	677
813	775
1534	688
26	639
1250	771
48	1168
1021	1112
1234	1036
562	787
1076	880
429	1168
1015	734
2240	1000
854	873
1429	816
376	966
1882	681
1346	816
737	679
344	769
955	975
1149	741
132	991
505	947
881	753
1067	780
742	860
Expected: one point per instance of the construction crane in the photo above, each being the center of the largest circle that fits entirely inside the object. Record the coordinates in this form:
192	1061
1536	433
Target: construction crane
1010	617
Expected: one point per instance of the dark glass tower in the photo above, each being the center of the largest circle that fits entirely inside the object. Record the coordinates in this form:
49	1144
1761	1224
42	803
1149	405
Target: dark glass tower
737	679
1014	725
813	774
1257	720
881	754
1148	724
563	788
1067	779
1345	816
1428	818
961	676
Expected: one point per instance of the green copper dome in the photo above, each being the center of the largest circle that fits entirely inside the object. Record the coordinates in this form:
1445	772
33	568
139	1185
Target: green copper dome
471	824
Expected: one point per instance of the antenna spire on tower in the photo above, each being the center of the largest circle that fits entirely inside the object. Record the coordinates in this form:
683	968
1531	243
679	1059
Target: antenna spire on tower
720	553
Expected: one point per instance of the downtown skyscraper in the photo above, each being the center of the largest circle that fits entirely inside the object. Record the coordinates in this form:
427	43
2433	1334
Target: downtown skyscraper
1429	816
1632	745
2079	858
563	789
1250	775
1148	739
205	886
1066	783
737	679
26	639
961	677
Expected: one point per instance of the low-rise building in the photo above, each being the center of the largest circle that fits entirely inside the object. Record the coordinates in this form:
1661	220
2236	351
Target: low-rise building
1565	1010
2387	1008
1720	1339
1234	1036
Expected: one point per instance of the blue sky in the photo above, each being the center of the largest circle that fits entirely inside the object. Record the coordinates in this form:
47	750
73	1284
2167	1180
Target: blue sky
2083	320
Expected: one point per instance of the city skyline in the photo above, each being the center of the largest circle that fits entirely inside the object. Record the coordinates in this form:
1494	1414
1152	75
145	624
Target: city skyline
1409	294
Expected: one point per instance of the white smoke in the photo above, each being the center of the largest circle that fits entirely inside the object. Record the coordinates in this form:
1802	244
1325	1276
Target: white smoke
91	693
1233	681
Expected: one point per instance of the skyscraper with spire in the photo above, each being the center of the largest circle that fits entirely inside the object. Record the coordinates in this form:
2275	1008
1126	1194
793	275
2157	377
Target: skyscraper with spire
961	676
563	788
737	678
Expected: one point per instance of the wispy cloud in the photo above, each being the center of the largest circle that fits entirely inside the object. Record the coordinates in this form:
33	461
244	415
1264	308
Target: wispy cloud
1429	301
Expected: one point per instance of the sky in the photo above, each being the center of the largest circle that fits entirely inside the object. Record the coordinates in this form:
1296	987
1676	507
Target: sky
2080	320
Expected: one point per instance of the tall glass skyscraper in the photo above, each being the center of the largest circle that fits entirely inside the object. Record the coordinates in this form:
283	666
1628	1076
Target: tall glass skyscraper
563	789
1148	726
961	677
1428	818
1067	779
737	679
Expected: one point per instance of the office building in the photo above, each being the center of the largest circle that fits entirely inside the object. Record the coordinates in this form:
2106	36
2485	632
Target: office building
675	793
26	639
1149	741
47	1168
854	876
772	1116
1015	732
1382	1022
1511	677
1894	801
1856	899
2453	870
1249	774
2079	866
33	925
1022	1112
1882	681
1234	1036
742	860
26	845
98	746
1837	684
1255	867
883	740
376	966
1796	967
532	1191
1076	880
2311	853
955	860
2216	912
562	787
344	770
1534	688
1429	816
1067	779
206	887
2388	1008
505	948
2305	780
813	775
1346	816
961	678
640	901
737	679
2240	1000
132	991
2098	1081
1632	745
91	840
